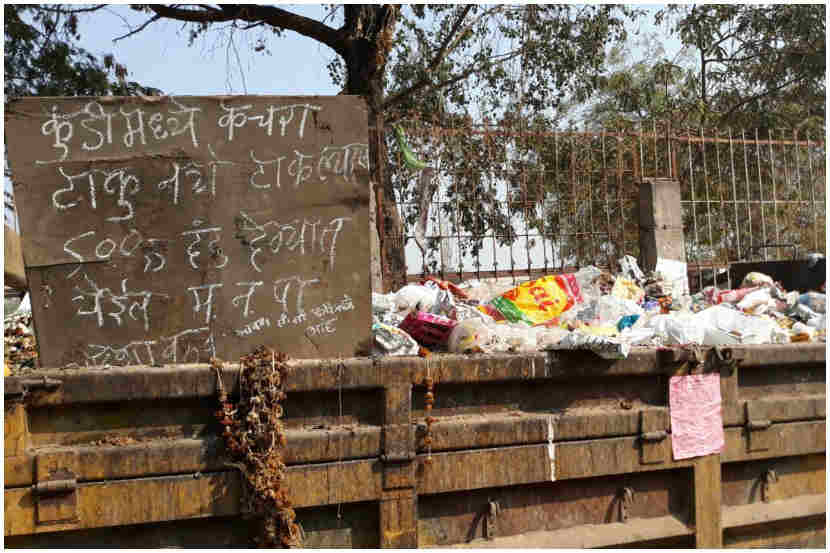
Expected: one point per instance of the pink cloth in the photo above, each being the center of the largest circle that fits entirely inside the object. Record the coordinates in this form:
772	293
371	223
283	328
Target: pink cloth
696	418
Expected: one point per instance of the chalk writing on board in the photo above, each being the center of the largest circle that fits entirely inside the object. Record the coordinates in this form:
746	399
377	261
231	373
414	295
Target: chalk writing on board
125	301
141	126
190	345
158	219
118	182
194	251
236	117
246	297
253	327
291	236
205	302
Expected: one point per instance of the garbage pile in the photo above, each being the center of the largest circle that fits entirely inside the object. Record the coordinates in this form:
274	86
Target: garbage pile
594	310
20	348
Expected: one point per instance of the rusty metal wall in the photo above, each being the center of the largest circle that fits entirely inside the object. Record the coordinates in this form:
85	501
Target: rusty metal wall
515	202
529	450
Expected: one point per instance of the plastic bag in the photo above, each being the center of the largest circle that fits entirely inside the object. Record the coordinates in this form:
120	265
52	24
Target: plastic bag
515	338
674	275
444	304
676	329
756	302
630	269
754	279
468	336
719	320
605	347
415	297
814	300
538	301
732	296
627	289
610	309
586	278
389	340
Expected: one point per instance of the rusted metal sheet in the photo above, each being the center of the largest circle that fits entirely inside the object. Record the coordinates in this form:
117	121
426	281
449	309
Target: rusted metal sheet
591	536
132	502
549	455
172	230
548	506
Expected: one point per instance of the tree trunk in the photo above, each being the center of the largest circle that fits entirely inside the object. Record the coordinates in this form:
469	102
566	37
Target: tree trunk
365	58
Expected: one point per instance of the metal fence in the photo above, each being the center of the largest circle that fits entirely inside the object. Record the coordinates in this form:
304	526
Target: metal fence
519	203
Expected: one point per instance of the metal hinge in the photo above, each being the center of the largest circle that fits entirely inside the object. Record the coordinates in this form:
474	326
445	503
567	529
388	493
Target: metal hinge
490	520
56	489
760	435
626	498
767	480
653	443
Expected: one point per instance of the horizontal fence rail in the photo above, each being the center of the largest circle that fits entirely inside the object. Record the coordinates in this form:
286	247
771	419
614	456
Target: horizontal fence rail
521	202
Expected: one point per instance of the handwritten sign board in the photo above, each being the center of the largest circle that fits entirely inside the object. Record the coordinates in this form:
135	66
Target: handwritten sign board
173	229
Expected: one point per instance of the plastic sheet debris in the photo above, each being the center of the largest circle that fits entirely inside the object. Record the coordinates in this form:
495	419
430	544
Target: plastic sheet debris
674	275
538	301
630	269
390	340
696	418
605	347
591	309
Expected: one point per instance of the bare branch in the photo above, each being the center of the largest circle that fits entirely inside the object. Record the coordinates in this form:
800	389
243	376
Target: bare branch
94	8
452	80
443	52
272	15
138	29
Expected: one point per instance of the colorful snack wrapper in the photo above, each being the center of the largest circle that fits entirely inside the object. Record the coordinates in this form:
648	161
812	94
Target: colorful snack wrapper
538	301
428	329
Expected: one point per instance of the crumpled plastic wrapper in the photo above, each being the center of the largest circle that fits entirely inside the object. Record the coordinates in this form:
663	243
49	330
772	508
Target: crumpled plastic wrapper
605	347
390	340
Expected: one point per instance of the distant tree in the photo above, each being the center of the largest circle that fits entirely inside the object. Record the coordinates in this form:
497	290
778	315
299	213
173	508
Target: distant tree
41	57
756	65
412	59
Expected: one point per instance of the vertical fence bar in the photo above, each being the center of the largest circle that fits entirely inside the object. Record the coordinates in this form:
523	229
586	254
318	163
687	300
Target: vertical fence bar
558	197
620	187
812	191
607	204
774	194
724	239
708	208
748	196
734	195
761	197
589	170
694	214
654	129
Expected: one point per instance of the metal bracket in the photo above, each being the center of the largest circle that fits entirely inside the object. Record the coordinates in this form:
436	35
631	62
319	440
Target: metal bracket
653	443
490	520
760	435
17	388
626	498
725	360
767	480
56	488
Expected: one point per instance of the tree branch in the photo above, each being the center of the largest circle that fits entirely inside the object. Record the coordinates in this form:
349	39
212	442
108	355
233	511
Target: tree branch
272	15
442	53
452	80
759	96
138	29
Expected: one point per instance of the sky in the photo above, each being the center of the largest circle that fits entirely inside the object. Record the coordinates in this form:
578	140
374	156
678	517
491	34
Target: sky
159	56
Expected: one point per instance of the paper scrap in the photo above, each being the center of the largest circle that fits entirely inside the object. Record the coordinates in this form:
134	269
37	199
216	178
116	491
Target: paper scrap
696	416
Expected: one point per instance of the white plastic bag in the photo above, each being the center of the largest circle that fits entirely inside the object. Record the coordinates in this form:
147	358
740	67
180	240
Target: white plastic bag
415	297
676	329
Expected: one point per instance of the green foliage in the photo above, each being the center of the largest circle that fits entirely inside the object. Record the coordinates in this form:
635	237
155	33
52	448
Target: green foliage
42	58
756	65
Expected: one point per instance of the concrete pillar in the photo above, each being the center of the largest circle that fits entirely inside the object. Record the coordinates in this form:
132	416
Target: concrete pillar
661	222
13	269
